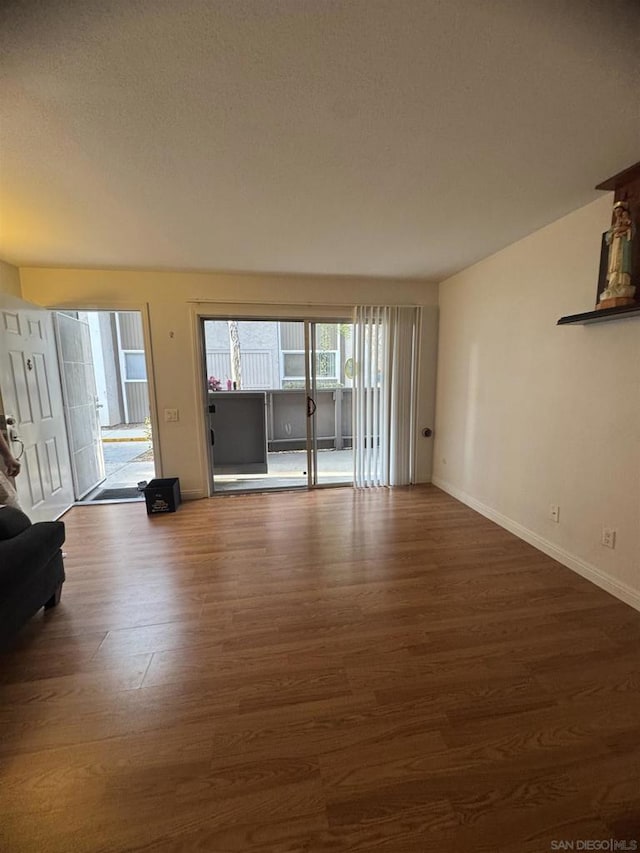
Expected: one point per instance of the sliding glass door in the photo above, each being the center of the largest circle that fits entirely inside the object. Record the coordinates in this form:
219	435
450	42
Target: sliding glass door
278	403
330	376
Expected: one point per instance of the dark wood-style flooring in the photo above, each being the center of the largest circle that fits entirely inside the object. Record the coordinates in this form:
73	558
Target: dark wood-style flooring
333	671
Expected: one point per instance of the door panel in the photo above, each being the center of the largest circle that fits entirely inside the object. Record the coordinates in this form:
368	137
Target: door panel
308	400
53	463
80	399
11	322
42	386
257	433
34	475
331	440
30	388
19	384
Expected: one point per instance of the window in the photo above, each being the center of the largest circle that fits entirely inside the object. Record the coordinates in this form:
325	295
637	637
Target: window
293	365
135	368
326	364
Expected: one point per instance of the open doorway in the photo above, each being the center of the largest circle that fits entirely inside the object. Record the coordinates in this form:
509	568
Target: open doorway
278	403
105	393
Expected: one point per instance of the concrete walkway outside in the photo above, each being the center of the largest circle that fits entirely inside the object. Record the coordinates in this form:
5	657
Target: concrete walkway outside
124	467
125	445
124	432
288	469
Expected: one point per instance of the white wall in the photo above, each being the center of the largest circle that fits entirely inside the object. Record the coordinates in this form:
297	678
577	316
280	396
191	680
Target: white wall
530	414
171	301
10	280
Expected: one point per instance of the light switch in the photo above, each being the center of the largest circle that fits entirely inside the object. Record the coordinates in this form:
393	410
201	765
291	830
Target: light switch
171	415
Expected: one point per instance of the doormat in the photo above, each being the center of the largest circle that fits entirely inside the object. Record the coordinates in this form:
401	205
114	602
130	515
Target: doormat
118	495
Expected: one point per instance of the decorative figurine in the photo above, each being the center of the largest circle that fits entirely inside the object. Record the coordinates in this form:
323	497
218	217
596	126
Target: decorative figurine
619	290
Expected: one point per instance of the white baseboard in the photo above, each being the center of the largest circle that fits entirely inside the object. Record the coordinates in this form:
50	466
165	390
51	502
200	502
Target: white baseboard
192	494
592	573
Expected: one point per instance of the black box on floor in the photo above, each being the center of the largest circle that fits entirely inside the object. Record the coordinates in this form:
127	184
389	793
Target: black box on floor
162	495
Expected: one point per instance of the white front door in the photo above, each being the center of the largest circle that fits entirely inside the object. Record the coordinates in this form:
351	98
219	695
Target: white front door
31	395
80	400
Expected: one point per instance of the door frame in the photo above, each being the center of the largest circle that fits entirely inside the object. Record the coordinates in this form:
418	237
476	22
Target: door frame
276	312
143	309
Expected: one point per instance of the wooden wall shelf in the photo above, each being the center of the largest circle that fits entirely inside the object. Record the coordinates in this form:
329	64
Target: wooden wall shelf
599	316
625	187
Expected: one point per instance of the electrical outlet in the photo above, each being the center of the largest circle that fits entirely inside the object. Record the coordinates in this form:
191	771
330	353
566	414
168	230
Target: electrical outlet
608	537
171	415
554	513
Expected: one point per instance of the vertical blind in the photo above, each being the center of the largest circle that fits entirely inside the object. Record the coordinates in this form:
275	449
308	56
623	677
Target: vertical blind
384	394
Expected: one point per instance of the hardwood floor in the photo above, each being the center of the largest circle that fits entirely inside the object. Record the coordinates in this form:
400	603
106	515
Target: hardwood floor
324	672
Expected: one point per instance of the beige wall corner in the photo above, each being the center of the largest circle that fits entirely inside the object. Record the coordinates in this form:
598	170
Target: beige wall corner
10	280
530	414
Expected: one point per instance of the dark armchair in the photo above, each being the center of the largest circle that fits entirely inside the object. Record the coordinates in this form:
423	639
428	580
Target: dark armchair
31	568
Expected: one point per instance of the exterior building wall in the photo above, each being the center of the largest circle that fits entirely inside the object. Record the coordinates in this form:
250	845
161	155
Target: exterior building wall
113	334
264	345
259	349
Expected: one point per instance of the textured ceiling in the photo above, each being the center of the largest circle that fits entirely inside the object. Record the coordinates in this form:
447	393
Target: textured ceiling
382	137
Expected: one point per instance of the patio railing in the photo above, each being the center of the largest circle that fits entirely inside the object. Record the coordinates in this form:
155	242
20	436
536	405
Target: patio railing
287	419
